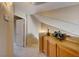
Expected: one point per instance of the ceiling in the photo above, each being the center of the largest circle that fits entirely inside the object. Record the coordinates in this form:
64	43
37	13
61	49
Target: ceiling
36	7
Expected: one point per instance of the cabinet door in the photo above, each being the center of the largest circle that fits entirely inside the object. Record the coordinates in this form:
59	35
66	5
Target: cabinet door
51	48
41	43
45	45
66	52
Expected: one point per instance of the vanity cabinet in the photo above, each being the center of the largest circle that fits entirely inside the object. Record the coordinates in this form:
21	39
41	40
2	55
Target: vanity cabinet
52	47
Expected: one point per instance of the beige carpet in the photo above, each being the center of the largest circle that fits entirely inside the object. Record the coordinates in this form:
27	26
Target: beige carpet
27	52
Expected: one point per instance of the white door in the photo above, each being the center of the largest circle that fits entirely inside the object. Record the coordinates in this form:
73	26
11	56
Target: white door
20	32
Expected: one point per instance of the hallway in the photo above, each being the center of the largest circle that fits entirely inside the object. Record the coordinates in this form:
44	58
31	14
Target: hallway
23	26
27	52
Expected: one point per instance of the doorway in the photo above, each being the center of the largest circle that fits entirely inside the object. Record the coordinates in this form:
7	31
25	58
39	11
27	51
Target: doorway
19	32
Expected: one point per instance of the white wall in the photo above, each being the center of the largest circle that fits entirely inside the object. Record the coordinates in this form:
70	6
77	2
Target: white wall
52	29
69	14
37	23
20	14
33	26
64	18
68	27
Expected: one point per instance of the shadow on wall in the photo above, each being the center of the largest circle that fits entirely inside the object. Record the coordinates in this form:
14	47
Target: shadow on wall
32	41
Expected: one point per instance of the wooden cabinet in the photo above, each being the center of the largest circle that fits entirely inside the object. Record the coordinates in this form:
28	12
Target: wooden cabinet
63	51
51	49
